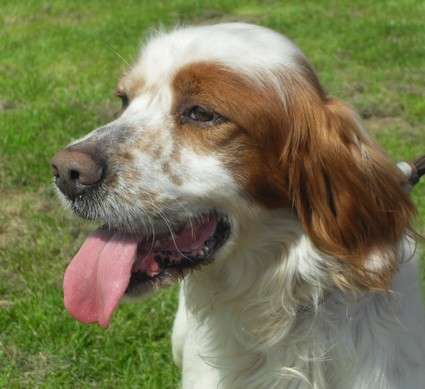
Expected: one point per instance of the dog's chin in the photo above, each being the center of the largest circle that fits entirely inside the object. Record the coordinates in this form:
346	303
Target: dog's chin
169	246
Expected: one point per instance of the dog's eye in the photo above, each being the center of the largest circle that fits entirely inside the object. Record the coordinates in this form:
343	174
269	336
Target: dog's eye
124	98
199	114
202	115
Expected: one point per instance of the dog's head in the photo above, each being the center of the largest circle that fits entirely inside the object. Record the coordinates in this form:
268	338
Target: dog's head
219	124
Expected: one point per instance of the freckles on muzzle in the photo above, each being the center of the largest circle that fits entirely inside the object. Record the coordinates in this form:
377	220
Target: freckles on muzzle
84	167
146	241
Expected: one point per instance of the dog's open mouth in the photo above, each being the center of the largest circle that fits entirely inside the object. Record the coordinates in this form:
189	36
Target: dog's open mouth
112	264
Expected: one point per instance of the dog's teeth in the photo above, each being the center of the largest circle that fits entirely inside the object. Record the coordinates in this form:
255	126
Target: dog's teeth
156	244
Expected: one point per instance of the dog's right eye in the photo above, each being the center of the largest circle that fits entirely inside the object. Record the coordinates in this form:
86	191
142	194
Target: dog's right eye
202	116
124	98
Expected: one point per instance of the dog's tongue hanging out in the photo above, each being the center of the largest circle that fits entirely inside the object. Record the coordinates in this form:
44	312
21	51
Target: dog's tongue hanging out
98	276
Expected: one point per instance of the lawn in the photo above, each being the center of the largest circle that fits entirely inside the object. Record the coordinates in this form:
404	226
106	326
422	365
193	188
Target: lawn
59	62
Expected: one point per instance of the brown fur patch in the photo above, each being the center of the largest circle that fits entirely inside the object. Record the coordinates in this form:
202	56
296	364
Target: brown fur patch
241	142
166	168
306	151
175	155
346	192
125	156
150	144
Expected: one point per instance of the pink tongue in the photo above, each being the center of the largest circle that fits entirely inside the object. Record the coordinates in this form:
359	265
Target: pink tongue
97	277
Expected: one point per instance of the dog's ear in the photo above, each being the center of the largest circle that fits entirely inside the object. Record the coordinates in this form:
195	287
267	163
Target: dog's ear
347	194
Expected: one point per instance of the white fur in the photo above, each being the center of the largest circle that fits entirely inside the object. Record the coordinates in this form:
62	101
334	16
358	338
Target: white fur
241	324
227	44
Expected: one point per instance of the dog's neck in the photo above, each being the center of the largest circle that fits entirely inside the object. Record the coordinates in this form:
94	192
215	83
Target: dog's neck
272	275
261	298
274	294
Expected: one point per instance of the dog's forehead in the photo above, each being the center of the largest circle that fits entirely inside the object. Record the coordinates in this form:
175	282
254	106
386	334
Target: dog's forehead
243	47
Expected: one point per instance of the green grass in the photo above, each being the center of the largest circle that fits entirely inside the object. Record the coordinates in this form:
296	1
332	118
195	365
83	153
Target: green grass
58	67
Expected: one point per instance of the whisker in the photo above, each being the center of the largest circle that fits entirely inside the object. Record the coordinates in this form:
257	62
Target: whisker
117	54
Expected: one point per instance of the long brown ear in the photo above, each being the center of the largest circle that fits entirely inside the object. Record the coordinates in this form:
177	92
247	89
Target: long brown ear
346	192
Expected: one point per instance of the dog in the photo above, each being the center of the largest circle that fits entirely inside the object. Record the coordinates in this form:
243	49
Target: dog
232	171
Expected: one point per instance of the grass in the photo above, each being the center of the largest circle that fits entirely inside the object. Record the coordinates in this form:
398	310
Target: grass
59	65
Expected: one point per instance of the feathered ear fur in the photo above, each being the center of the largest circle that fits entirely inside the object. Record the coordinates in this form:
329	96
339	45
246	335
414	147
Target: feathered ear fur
348	195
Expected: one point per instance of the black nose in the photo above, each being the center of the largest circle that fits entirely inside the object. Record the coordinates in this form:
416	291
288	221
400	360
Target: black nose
77	171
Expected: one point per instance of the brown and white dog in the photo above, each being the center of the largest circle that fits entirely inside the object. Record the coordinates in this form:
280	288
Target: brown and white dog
231	169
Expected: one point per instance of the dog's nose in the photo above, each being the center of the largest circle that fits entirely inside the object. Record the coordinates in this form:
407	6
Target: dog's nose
76	171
